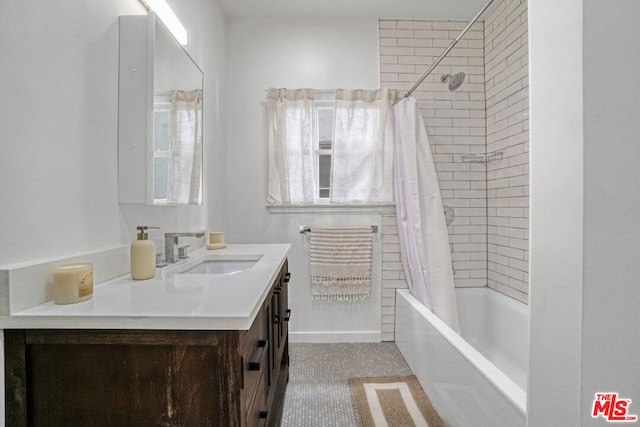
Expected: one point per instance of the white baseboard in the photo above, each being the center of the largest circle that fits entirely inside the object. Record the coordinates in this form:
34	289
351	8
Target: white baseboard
335	337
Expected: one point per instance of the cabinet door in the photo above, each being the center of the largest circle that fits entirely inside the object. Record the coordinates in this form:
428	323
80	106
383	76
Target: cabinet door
259	411
273	332
283	313
284	305
126	378
257	346
278	314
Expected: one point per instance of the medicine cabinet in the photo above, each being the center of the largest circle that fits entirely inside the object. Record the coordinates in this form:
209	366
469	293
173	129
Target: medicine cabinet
159	116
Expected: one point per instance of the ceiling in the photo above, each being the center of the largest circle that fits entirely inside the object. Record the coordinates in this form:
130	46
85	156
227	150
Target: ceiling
461	10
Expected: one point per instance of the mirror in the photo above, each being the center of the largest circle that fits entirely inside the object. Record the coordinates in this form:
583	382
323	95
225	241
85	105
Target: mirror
159	117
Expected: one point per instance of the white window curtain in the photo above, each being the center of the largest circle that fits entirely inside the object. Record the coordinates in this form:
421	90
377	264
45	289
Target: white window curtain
362	157
185	148
290	120
362	150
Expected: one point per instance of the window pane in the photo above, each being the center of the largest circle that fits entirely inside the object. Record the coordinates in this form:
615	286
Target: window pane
324	172
161	130
325	127
160	177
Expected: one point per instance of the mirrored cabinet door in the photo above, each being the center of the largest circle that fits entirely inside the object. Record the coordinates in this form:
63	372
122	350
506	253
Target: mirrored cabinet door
159	117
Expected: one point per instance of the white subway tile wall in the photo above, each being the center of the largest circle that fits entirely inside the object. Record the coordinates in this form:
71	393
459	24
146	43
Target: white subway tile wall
507	91
455	123
489	199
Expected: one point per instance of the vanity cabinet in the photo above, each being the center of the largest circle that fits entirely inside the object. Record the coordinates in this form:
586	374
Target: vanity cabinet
132	377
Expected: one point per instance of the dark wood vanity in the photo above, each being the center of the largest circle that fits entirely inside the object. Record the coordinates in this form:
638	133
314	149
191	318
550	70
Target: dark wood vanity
222	378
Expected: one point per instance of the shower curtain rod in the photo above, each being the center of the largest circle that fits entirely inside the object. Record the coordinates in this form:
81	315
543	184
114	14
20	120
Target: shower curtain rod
447	50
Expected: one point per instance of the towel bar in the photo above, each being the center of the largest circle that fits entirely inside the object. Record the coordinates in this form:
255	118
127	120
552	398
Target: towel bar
305	229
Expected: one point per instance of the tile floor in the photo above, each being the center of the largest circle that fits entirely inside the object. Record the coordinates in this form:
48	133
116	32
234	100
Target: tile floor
318	393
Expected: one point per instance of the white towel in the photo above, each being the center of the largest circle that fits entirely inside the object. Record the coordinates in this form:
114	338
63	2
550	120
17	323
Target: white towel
340	263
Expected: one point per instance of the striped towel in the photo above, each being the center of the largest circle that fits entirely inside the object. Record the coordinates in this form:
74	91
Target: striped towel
340	263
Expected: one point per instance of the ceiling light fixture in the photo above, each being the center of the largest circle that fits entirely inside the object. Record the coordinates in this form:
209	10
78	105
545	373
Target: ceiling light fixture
169	19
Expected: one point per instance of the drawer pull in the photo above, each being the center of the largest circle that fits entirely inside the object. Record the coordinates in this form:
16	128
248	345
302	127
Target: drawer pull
277	290
288	316
262	415
258	355
287	277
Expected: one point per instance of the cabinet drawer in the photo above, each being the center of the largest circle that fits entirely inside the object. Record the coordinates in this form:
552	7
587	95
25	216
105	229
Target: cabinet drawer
255	356
258	412
283	313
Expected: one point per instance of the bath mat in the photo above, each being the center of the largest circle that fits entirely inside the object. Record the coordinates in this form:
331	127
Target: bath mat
392	401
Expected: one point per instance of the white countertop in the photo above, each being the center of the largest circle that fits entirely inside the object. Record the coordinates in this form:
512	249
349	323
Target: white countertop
179	302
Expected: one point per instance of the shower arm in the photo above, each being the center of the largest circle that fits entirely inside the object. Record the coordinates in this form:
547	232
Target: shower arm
448	49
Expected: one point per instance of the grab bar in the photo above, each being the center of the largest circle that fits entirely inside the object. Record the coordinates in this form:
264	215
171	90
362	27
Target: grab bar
306	229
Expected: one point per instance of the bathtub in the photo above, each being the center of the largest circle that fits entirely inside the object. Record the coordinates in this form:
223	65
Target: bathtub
478	379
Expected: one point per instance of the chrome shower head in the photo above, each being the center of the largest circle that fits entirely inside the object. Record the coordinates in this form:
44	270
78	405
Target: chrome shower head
455	80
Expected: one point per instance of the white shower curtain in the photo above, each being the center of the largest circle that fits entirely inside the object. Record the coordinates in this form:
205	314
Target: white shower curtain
422	229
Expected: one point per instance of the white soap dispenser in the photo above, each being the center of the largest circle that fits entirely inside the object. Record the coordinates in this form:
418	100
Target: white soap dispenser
143	256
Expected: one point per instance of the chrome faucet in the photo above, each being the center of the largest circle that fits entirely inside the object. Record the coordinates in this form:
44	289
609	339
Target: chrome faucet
171	244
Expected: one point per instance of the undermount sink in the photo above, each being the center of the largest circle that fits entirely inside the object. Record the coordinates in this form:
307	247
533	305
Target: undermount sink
221	267
203	264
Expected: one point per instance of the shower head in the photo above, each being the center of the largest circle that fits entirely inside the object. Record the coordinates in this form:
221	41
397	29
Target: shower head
455	80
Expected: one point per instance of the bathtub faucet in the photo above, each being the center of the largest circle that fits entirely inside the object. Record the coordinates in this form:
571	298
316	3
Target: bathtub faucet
171	244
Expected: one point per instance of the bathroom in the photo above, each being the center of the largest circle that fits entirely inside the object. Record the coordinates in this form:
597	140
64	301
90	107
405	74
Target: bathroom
60	195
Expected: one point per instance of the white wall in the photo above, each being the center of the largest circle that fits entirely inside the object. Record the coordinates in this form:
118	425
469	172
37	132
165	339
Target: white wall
556	181
584	231
323	53
59	80
611	296
58	114
59	118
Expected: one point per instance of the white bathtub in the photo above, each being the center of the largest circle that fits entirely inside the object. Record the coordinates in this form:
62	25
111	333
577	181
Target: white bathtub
477	381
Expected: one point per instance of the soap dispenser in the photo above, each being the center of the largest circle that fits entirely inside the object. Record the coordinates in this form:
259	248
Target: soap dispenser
143	256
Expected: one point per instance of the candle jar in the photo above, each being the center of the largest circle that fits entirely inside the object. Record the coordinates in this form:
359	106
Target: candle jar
216	240
216	237
72	283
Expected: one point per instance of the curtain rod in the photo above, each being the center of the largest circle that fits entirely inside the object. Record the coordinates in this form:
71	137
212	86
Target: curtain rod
447	50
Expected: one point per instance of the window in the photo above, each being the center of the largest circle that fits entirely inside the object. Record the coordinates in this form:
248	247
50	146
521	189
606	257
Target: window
160	151
324	113
177	147
335	149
